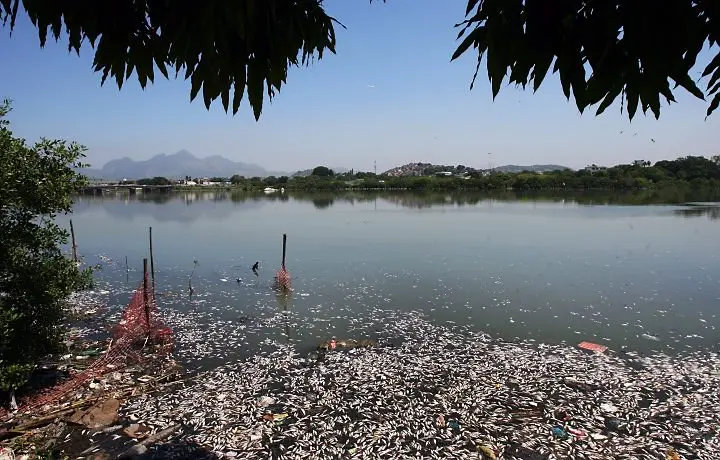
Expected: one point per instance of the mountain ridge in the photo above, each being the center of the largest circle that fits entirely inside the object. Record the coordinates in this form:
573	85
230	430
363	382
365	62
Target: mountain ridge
176	166
184	163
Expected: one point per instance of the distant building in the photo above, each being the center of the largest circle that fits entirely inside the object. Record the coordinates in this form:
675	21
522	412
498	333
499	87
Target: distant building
444	173
592	169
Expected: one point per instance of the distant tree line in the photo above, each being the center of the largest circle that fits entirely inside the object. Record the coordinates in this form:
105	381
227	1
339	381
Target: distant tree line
689	171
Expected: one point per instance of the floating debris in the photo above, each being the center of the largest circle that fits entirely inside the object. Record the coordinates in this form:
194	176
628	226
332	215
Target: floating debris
593	347
446	393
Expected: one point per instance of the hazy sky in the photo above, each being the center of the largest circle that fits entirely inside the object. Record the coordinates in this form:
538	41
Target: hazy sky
391	94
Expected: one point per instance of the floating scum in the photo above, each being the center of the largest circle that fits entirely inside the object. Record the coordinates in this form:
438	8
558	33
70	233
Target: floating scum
447	393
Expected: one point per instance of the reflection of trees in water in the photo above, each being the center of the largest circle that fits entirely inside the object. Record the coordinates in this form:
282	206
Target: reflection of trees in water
428	200
420	200
712	212
186	206
192	200
323	202
666	195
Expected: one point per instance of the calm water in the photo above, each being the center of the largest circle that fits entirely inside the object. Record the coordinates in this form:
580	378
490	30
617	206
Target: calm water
548	270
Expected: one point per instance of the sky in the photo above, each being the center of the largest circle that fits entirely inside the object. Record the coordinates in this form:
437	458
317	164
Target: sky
390	95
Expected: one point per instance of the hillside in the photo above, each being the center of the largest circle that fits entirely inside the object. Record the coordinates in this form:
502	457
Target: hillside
533	168
178	165
425	169
307	172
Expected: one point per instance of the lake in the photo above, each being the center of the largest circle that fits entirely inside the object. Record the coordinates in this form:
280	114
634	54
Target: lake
557	269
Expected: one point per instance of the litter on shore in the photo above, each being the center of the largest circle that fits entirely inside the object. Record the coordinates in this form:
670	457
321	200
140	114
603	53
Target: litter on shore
446	394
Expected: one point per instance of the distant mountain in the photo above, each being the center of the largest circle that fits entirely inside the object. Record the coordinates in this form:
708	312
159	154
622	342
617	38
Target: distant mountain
533	168
178	165
307	172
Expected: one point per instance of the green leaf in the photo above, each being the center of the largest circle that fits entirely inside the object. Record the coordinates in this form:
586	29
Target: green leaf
196	82
686	82
470	6
633	98
161	66
225	97
654	102
565	78
239	87
255	84
713	105
714	64
714	79
540	71
609	99
478	34
210	90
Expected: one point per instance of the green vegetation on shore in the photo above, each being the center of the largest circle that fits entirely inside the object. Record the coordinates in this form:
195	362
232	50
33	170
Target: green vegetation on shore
36	277
695	172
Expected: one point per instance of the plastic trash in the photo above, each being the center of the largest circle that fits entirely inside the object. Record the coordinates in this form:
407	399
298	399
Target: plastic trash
612	423
592	347
277	418
563	415
90	352
454	424
265	401
488	452
559	433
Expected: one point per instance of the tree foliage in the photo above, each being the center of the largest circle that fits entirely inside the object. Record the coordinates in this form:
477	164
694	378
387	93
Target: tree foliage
218	46
690	171
602	50
158	180
36	183
322	171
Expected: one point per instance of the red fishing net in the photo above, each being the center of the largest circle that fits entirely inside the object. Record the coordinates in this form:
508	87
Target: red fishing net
282	278
140	325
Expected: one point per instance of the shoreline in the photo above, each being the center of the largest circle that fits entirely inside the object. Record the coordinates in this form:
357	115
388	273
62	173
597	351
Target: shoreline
443	391
506	396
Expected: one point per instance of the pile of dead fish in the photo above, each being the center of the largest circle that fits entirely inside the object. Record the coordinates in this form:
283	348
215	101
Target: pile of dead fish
444	393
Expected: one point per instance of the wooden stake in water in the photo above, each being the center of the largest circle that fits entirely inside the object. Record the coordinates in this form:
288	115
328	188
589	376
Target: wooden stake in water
74	245
145	294
152	262
284	249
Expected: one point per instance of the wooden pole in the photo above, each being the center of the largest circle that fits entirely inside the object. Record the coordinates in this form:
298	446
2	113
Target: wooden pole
145	293
284	249
74	245
152	261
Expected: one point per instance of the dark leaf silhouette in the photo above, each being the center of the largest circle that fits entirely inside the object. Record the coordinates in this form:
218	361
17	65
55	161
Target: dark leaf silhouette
602	49
210	42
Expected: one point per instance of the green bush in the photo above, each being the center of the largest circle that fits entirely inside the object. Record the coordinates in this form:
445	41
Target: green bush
36	183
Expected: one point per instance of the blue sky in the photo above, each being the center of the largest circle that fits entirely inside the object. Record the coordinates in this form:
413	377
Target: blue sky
390	94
